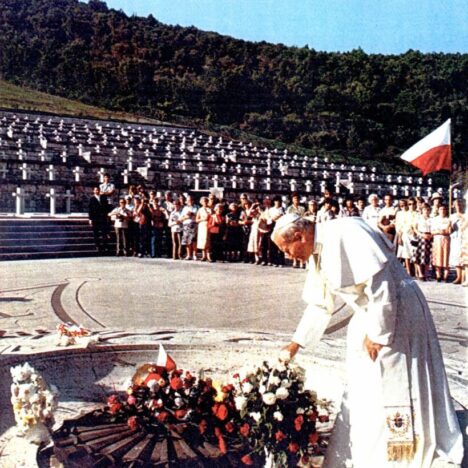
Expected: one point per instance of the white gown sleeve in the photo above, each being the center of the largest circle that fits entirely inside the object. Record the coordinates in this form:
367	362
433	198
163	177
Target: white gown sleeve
381	308
312	326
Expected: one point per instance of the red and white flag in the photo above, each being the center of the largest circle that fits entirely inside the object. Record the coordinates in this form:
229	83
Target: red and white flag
164	360
433	152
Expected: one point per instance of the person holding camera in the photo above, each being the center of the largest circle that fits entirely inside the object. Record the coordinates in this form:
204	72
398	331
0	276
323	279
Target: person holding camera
121	216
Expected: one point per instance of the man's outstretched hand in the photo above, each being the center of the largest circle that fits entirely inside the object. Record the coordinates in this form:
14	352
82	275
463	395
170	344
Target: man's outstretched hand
292	348
372	348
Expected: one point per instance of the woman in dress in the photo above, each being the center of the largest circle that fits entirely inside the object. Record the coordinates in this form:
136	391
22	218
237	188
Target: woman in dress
422	229
456	220
253	246
404	222
440	229
189	229
203	235
175	225
217	227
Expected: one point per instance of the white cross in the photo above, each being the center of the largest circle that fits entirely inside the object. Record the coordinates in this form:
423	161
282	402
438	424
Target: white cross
234	182
223	167
20	154
388	178
101	173
166	164
367	190
77	173
418	191
268	183
429	191
68	196
200	166
429	181
406	190
254	170
125	175
252	183
53	196
196	181
3	170
20	196
322	186
351	187
64	156
169	181
97	149
24	171
308	186
183	165
394	190
80	149
337	182
293	185
238	168
148	163
215	181
130	164
51	171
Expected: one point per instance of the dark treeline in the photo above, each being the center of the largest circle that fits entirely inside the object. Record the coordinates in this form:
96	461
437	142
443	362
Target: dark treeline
350	104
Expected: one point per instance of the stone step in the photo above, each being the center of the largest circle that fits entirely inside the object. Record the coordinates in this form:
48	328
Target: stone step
41	255
48	247
57	239
47	229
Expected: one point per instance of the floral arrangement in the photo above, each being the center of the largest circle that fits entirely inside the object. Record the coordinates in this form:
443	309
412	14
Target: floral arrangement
279	417
33	401
265	416
166	401
68	333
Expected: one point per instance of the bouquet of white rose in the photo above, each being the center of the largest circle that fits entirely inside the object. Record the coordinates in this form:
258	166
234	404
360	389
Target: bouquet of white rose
279	415
33	402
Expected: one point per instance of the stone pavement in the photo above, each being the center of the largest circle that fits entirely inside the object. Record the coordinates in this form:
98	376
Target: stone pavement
195	301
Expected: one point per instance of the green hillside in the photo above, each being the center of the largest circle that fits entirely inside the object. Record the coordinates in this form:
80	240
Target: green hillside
23	98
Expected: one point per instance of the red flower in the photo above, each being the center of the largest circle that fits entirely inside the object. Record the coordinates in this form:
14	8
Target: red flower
247	460
304	460
313	438
279	436
180	413
236	376
221	412
246	380
115	407
293	447
222	444
133	423
202	426
152	376
324	418
112	399
228	388
244	429
162	416
298	422
176	383
313	416
230	427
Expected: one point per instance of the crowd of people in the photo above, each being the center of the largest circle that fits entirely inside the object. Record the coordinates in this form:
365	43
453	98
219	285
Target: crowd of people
427	240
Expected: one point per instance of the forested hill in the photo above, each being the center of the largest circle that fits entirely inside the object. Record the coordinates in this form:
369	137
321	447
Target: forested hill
351	104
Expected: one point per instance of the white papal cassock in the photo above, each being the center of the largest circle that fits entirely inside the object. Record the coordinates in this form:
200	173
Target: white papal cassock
397	411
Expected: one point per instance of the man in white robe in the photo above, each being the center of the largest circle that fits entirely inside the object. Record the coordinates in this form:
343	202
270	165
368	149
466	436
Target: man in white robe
397	411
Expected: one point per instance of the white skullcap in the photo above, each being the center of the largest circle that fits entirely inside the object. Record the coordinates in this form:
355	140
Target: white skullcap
285	220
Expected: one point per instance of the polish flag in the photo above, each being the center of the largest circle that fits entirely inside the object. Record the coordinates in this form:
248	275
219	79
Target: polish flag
164	360
433	152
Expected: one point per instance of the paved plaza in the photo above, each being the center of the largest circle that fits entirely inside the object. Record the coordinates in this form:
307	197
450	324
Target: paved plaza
195	301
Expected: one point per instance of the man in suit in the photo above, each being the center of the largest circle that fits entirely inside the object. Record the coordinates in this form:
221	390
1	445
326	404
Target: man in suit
97	218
